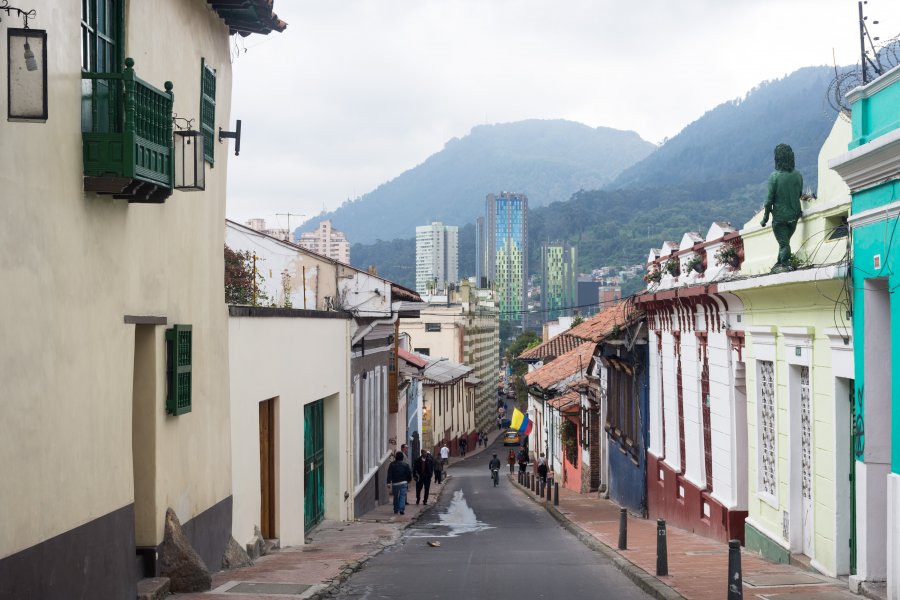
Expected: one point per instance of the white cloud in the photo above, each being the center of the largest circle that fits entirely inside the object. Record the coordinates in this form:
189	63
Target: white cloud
357	91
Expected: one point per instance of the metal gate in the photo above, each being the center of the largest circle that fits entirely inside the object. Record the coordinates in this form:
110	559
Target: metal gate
314	467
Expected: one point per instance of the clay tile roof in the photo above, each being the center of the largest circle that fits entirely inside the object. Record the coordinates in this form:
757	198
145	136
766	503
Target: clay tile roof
563	367
601	325
566	402
555	346
398	292
248	16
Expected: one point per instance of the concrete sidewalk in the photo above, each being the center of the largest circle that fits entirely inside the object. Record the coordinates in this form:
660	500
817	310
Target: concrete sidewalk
698	567
334	550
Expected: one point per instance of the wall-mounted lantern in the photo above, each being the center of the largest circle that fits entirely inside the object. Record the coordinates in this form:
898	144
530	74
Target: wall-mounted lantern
27	75
190	167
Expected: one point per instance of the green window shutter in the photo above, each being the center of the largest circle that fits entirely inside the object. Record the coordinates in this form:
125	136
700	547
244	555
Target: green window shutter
178	369
208	110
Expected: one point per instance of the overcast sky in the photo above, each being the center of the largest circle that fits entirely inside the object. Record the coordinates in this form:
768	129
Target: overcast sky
354	92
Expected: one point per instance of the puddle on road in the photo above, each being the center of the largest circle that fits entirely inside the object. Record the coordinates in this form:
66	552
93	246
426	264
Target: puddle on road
458	519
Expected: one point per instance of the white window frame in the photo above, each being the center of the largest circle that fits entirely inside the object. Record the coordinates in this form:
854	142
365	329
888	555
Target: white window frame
763	344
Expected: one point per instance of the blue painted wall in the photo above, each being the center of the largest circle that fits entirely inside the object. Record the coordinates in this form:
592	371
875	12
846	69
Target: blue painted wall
627	480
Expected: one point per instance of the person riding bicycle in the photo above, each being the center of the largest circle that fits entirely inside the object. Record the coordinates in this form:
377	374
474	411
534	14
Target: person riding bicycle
494	467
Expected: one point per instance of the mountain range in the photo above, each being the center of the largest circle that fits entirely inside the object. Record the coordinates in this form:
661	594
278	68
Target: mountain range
714	169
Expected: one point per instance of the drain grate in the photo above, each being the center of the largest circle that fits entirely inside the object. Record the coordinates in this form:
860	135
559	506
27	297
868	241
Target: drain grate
282	589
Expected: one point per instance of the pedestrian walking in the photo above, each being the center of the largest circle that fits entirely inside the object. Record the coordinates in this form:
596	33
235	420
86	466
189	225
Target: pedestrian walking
438	467
441	465
462	446
523	460
499	422
399	475
542	472
511	459
423	471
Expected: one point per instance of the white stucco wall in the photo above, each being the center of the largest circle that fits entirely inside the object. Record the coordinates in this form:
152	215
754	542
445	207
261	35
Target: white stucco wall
295	374
74	264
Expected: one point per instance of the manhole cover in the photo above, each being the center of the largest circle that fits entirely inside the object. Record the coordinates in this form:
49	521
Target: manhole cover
284	589
780	579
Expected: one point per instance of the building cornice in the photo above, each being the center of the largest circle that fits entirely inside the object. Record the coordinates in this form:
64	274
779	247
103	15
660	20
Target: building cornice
871	164
867	91
875	215
822	273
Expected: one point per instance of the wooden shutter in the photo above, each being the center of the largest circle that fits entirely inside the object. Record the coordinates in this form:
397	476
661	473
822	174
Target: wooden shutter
208	110
178	369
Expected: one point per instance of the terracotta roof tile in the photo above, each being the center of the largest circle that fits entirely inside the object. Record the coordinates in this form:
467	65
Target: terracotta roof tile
601	325
555	346
566	402
563	367
411	358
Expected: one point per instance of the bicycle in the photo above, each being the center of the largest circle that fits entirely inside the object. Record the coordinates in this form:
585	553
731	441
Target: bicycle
495	475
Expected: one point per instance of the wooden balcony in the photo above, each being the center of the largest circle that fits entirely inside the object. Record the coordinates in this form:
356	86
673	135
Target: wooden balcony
127	136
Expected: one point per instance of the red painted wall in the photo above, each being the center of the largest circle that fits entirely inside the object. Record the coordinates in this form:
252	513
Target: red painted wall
687	511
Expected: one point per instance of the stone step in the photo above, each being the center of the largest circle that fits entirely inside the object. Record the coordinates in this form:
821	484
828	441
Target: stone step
271	545
153	588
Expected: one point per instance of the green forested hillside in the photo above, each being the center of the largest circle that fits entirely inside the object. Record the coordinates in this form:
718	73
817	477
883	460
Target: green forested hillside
547	160
714	170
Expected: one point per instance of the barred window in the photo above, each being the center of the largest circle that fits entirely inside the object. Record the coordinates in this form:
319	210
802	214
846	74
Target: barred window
768	455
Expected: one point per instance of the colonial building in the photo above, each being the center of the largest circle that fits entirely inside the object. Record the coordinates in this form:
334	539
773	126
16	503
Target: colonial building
869	167
117	372
463	327
798	358
697	460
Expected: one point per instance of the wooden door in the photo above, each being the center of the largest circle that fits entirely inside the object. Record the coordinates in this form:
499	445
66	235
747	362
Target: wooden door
267	468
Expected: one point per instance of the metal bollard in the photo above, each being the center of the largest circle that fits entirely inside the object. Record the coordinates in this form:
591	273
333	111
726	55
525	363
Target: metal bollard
662	555
555	494
540	487
623	529
735	578
549	490
520	477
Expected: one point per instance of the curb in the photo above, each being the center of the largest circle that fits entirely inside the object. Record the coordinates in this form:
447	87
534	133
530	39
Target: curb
331	586
636	574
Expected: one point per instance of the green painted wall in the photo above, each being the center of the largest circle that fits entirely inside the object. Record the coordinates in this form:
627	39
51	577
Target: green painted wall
761	544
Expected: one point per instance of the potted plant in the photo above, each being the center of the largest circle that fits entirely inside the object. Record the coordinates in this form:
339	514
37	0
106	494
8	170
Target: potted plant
672	267
569	438
728	255
653	275
694	263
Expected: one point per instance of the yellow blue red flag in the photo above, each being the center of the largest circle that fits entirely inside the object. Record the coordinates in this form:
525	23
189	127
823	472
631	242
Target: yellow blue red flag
520	422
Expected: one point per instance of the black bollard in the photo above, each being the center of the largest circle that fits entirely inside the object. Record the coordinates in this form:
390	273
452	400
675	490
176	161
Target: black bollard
555	494
520	477
623	529
540	487
735	578
549	490
662	556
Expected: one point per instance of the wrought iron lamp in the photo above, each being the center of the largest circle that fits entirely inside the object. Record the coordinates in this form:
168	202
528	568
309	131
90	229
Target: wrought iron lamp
26	69
190	168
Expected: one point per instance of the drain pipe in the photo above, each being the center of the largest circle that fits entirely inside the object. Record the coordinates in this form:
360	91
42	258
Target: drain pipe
360	334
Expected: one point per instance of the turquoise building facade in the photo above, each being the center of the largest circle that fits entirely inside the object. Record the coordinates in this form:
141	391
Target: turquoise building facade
871	168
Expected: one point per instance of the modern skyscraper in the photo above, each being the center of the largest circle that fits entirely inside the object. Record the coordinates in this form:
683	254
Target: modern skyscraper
481	279
437	257
327	242
559	280
506	252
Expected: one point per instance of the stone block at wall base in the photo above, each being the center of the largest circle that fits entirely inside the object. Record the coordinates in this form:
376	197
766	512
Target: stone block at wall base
179	561
760	543
235	556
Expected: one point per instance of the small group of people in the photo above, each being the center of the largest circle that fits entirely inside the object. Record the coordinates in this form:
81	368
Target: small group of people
482	439
400	474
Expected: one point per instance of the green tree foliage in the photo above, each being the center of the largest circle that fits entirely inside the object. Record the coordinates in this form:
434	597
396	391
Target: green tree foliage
239	279
526	340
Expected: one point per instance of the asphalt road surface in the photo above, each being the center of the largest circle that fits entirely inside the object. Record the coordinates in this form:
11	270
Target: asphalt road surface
495	544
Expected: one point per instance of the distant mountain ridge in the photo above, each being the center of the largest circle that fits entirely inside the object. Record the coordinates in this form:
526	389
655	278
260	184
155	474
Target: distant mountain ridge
714	169
548	160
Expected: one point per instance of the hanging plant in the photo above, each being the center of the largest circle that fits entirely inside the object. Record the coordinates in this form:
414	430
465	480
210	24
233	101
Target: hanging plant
569	438
653	275
672	267
694	263
728	255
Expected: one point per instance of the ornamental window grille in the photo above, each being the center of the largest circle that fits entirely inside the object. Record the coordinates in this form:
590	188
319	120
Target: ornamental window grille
805	434
768	441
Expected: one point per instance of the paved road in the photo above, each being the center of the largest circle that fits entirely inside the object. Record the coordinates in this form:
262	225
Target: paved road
495	544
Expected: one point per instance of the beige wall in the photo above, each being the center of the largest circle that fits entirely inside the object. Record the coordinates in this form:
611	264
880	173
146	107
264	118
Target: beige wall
311	362
74	264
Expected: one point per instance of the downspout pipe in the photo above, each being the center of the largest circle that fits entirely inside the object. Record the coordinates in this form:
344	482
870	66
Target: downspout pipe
366	330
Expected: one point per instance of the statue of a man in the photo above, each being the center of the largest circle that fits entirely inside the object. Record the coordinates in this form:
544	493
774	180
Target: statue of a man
785	186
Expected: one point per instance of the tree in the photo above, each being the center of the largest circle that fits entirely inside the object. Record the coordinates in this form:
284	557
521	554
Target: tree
241	287
526	340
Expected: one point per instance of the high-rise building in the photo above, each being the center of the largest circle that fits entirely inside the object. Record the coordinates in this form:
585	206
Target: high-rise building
559	280
327	241
505	256
437	257
481	270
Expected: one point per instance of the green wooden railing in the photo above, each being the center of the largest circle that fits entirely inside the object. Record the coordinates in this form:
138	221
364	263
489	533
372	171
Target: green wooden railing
127	127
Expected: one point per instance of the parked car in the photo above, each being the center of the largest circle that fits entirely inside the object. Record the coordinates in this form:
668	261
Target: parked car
512	438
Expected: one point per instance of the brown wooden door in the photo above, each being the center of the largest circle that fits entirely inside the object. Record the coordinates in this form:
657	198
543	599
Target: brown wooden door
267	468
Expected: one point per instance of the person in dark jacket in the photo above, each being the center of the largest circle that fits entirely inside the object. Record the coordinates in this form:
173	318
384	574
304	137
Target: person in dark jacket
542	472
423	471
399	475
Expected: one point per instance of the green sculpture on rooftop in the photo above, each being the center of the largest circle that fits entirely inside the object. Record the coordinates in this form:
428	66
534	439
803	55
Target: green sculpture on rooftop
783	203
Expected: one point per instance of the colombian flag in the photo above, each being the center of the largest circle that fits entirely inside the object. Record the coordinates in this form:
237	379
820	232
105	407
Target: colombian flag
520	422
